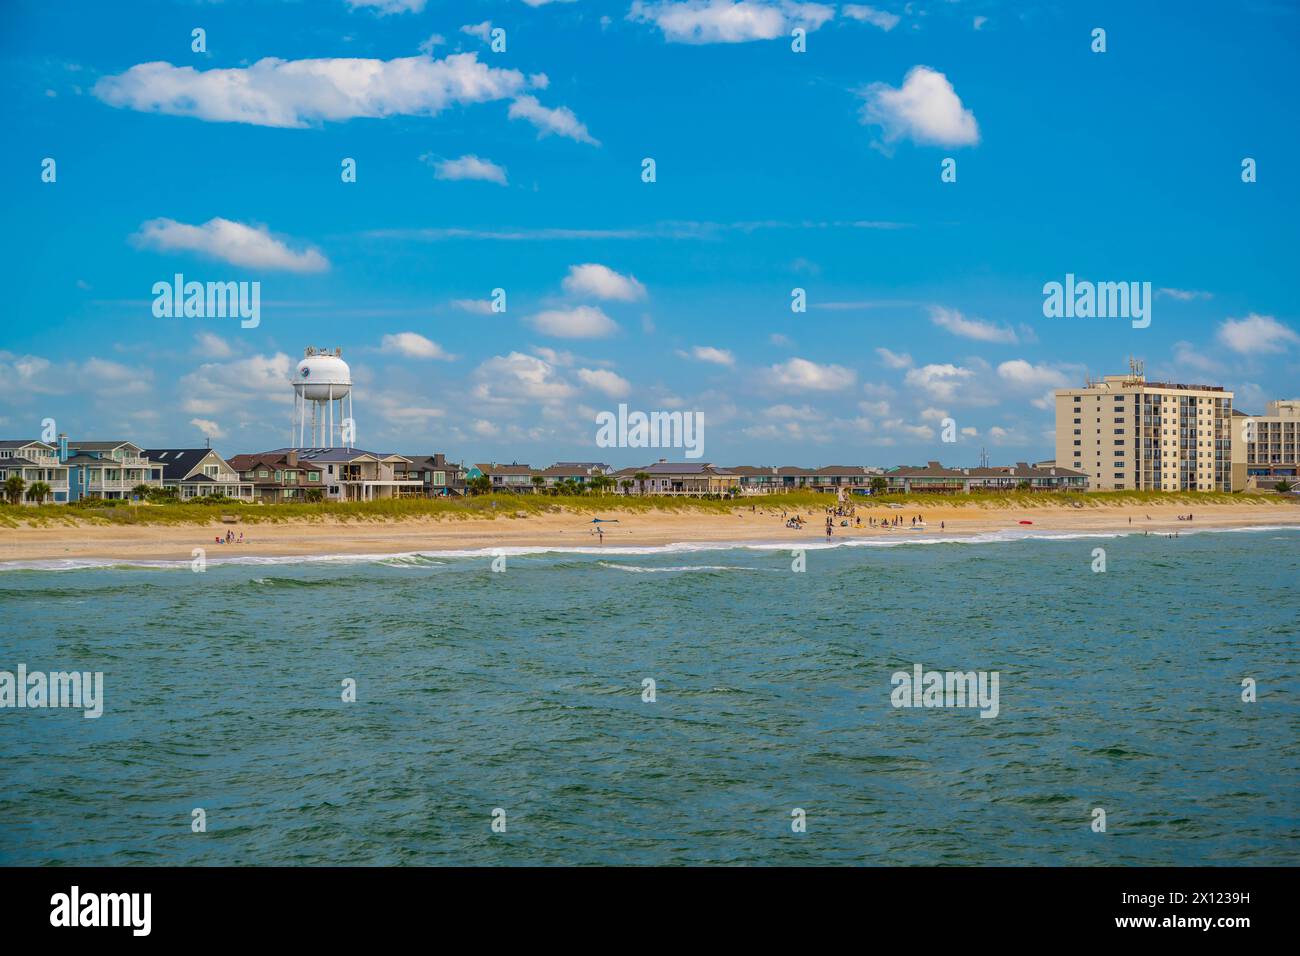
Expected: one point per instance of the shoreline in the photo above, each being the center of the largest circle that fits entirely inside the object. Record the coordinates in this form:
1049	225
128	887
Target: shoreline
626	532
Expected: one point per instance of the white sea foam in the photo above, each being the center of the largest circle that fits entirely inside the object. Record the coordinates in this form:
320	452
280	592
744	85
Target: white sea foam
429	558
638	569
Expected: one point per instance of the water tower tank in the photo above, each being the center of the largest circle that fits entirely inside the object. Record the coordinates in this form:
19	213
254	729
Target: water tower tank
319	378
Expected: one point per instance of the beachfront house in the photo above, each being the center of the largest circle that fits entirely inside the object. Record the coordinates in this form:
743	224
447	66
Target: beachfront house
107	469
690	478
513	477
437	478
579	473
35	462
199	473
339	474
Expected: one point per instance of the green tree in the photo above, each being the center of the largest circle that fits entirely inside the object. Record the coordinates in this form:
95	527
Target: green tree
1284	486
879	485
14	489
537	481
641	477
479	485
142	490
627	484
39	491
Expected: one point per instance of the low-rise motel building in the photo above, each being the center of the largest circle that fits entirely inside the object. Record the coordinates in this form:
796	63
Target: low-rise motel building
688	478
765	479
934	478
1128	433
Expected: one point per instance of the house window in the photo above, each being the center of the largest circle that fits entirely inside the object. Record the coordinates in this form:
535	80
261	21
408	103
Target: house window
439	477
212	471
264	473
313	476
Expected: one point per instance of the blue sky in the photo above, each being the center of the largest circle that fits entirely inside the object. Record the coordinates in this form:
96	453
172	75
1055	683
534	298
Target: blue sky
521	170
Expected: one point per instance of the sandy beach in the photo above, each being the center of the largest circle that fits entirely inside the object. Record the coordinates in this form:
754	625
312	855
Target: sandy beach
564	530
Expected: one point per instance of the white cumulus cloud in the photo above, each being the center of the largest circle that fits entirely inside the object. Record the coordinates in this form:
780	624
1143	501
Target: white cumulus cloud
603	380
925	109
802	375
208	427
234	242
939	381
602	282
1256	334
302	93
724	21
517	378
413	345
581	322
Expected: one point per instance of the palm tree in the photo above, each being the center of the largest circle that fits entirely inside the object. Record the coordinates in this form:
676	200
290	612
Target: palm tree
642	477
14	489
479	485
626	484
142	490
879	485
39	491
600	483
538	481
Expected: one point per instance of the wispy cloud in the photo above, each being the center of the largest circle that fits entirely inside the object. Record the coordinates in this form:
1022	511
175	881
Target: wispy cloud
707	353
558	120
582	322
672	229
466	167
877	18
976	329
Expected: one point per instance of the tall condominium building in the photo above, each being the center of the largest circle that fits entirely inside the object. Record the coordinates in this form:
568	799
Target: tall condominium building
1128	433
1274	453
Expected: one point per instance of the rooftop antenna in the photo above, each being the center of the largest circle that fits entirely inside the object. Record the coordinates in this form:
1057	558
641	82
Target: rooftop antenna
984	457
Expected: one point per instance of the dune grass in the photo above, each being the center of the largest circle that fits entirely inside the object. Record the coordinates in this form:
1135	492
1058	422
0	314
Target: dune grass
512	507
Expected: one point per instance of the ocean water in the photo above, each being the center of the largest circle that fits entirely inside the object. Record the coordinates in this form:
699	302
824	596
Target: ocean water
522	691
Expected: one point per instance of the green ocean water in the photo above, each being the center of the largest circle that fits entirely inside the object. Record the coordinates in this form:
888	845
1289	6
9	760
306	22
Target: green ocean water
522	691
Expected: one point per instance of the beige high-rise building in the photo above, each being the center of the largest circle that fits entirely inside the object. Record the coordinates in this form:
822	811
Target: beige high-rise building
1128	433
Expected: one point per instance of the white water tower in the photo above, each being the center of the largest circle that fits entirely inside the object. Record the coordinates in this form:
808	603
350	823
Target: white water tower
322	387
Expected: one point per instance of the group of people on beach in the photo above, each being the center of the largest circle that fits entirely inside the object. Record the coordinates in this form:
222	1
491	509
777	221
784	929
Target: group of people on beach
230	538
849	518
